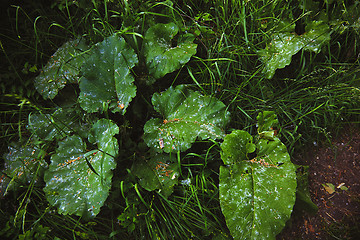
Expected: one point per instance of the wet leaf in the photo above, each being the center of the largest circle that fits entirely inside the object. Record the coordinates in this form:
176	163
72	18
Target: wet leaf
157	173
107	80
256	195
317	33
284	45
58	124
279	52
78	182
186	115
22	164
240	140
62	68
163	53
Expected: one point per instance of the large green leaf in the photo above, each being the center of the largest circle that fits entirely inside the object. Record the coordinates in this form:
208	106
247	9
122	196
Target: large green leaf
284	45
77	181
107	80
256	195
164	54
58	124
157	173
23	163
62	68
186	115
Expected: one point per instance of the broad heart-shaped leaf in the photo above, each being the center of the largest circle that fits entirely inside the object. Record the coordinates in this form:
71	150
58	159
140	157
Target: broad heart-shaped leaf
257	195
284	45
62	68
58	124
78	182
157	173
162	56
107	81
23	163
186	116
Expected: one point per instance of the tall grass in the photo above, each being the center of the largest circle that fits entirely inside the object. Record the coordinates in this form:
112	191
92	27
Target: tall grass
315	95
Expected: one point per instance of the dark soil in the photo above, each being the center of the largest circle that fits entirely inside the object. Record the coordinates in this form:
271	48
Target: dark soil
338	216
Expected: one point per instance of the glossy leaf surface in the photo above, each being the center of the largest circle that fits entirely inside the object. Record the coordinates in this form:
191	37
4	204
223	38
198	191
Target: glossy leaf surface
186	115
78	182
256	195
284	45
58	124
157	173
240	140
23	163
164	54
62	68
107	80
317	33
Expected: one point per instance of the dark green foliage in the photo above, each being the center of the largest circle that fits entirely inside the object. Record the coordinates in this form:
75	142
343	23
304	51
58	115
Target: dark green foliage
77	181
62	68
160	172
186	115
164	54
57	125
23	164
107	80
256	195
161	162
284	44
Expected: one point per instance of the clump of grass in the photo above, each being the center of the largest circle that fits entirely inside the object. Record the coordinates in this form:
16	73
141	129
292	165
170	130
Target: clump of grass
312	101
